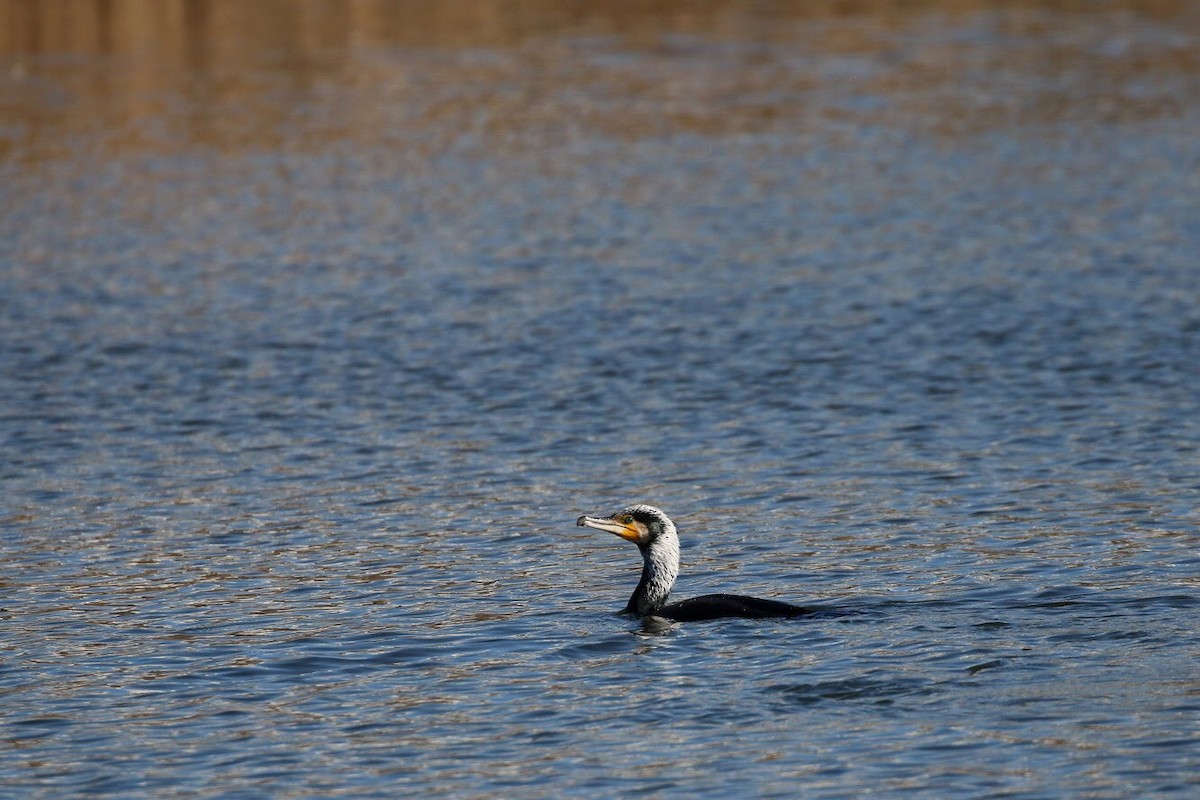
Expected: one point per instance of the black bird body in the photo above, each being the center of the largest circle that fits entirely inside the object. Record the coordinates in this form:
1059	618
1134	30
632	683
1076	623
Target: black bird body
718	606
655	535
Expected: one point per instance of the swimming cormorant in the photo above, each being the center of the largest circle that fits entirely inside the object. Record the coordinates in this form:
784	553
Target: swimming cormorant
654	534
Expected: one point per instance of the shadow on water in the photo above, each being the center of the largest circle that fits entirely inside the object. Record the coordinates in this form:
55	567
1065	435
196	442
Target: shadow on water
864	689
658	626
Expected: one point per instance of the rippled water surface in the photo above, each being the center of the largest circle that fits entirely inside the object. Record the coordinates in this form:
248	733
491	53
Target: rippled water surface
322	323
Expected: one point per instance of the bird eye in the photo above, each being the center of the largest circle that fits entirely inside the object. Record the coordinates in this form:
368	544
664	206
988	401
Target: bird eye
626	519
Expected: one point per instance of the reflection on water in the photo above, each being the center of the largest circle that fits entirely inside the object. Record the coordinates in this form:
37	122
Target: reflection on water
321	323
161	76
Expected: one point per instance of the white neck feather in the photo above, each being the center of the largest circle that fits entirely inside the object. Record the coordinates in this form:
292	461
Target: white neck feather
660	567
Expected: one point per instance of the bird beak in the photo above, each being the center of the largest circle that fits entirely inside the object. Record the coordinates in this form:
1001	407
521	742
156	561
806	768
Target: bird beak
634	531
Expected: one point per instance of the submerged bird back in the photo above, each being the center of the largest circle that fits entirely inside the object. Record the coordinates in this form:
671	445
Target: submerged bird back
718	606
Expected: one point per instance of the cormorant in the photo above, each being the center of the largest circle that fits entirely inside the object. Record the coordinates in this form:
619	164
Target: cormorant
654	534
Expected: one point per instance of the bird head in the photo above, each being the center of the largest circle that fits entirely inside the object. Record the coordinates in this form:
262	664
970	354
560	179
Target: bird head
640	524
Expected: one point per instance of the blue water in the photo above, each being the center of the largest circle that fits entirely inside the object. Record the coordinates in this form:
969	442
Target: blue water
300	399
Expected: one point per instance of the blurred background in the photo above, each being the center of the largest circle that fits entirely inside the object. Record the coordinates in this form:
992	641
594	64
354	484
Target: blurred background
529	70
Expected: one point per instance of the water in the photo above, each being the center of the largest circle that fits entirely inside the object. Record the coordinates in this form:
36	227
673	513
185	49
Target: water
319	336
